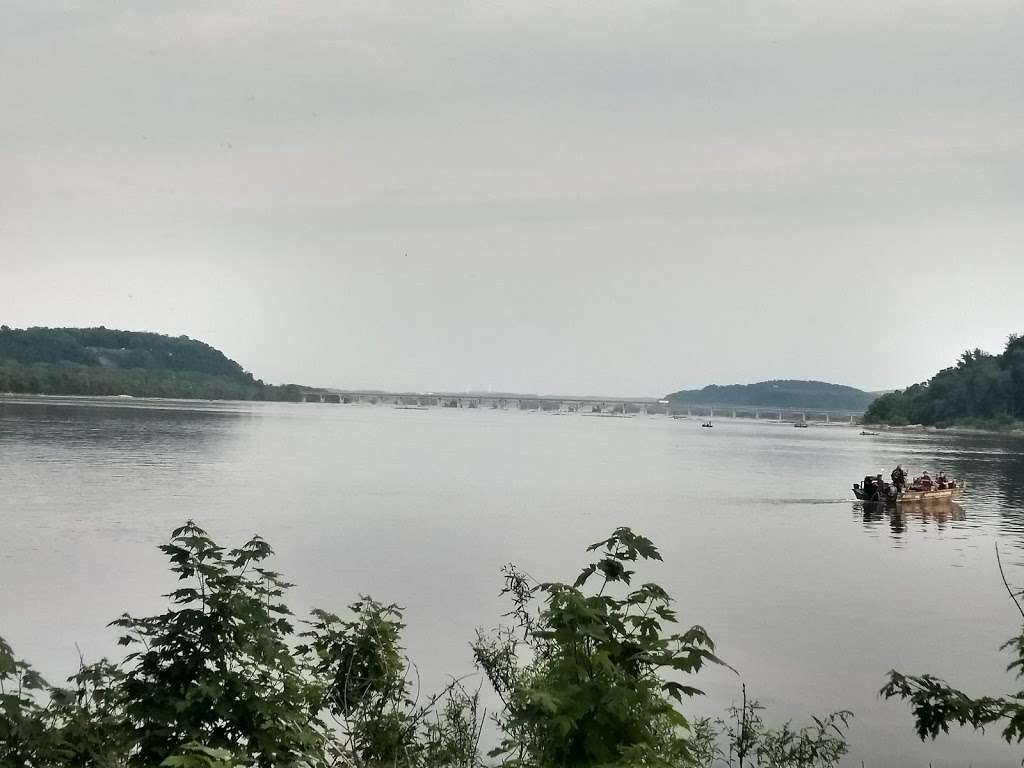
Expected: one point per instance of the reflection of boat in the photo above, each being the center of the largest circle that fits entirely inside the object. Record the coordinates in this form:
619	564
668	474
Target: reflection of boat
939	513
923	489
874	512
707	424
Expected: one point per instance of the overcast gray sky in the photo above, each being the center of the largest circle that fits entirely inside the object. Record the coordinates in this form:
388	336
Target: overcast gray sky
587	197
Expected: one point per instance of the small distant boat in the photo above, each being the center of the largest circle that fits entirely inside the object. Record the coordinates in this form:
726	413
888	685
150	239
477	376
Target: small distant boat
866	433
800	425
410	407
707	424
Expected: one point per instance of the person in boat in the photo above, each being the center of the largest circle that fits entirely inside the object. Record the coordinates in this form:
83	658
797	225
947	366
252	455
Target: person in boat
875	488
869	487
899	479
941	482
882	486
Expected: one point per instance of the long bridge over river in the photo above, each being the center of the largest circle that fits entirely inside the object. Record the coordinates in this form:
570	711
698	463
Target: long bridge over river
588	405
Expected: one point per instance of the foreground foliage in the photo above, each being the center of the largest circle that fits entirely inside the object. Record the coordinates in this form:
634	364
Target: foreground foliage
936	705
587	678
749	742
588	675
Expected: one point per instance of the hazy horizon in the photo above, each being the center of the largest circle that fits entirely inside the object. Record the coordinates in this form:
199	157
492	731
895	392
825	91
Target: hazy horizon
609	199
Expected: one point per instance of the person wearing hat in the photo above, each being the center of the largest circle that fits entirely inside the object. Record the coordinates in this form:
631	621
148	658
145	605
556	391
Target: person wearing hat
899	478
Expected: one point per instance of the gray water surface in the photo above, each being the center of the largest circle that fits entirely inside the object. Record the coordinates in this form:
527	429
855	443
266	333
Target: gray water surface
808	595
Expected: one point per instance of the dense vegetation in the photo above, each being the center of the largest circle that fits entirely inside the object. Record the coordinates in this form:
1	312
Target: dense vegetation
980	390
785	393
102	361
587	675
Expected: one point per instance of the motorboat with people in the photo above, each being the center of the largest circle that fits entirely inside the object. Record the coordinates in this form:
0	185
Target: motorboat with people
707	424
921	488
800	424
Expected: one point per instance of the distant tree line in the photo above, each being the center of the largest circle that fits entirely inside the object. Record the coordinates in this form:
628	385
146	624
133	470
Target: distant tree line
74	379
982	390
102	361
785	393
117	349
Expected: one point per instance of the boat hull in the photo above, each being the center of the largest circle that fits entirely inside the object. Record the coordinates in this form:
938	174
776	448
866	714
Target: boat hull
911	497
914	497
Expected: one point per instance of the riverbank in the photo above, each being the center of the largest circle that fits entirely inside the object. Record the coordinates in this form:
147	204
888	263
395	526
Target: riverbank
1014	430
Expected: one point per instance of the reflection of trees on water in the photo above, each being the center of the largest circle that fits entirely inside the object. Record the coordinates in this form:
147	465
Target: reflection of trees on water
1010	482
112	430
939	513
994	469
992	465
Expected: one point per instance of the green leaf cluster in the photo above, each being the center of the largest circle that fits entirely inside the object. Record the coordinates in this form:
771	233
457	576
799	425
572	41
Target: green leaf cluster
221	679
220	658
936	705
589	676
749	742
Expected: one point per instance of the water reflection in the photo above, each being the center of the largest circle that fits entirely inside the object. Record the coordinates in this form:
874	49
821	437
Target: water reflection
106	432
938	513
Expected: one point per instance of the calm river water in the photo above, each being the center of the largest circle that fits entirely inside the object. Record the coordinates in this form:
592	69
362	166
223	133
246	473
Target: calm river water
811	598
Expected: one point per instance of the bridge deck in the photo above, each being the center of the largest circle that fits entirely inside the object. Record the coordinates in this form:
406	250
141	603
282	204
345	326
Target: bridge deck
563	401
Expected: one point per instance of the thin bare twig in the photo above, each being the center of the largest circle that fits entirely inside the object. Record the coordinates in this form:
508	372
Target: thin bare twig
1007	584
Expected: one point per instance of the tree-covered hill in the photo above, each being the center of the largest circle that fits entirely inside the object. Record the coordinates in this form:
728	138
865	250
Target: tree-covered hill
981	390
786	393
104	361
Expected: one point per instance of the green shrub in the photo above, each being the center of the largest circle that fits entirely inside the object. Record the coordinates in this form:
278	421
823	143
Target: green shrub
589	675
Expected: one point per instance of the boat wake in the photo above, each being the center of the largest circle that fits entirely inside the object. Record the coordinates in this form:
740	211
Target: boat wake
785	502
